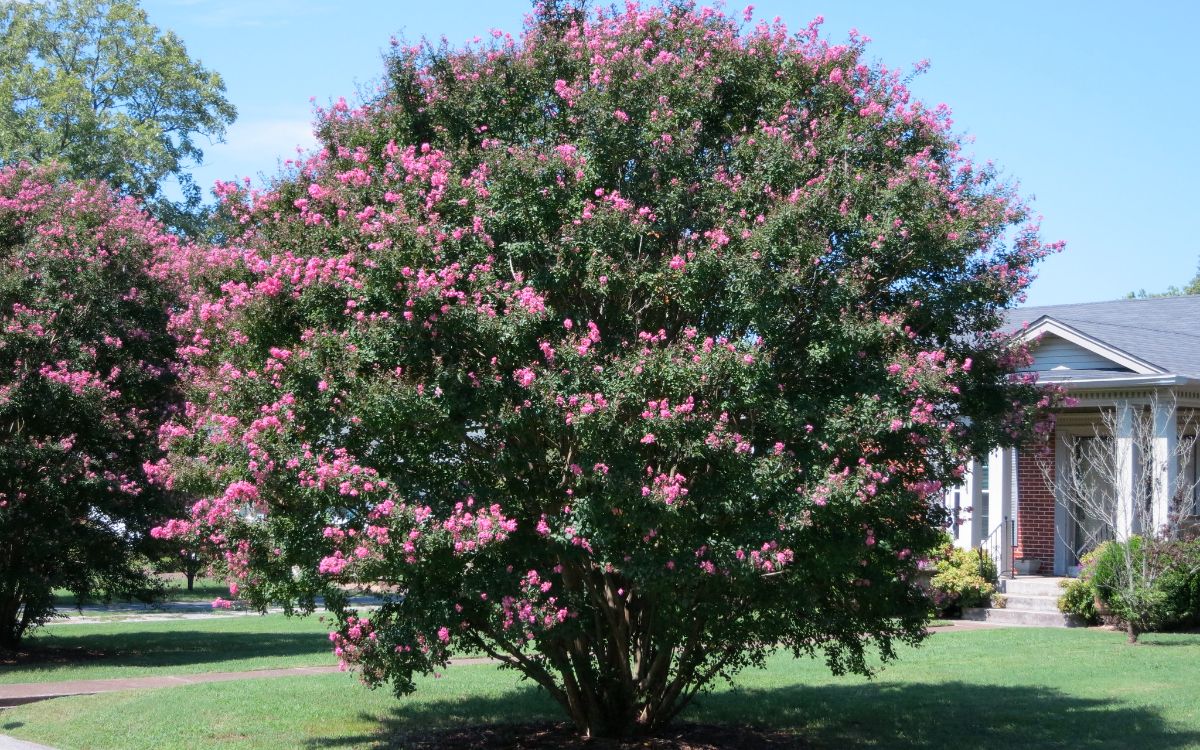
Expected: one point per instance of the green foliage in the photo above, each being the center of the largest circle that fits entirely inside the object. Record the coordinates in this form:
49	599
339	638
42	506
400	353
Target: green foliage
627	367
1079	598
93	85
964	578
1148	584
1180	583
85	381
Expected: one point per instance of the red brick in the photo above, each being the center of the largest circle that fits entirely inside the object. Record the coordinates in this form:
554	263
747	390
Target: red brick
1035	508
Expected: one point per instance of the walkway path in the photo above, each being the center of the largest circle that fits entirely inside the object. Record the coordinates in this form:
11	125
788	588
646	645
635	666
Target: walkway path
12	743
138	612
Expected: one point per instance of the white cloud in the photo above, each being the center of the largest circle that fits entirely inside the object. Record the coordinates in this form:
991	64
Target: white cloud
254	149
266	138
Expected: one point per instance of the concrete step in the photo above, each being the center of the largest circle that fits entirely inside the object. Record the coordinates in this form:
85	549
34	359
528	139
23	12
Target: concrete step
1031	603
1032	586
1023	617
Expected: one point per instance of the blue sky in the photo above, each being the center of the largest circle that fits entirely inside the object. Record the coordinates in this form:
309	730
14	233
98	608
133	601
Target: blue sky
1091	106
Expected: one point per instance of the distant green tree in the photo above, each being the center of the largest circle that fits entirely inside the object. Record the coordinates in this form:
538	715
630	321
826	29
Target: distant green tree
1192	287
94	85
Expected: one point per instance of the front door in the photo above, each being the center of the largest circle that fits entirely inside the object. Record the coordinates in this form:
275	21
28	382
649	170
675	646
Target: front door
1093	494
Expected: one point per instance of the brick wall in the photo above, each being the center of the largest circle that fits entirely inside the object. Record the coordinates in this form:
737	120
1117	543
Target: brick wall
1035	509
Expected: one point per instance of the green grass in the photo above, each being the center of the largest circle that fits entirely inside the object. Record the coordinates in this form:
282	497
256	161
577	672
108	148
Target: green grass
203	590
177	646
1026	688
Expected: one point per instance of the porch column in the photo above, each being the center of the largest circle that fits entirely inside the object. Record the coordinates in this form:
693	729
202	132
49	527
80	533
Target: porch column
1124	516
975	488
1165	471
1000	495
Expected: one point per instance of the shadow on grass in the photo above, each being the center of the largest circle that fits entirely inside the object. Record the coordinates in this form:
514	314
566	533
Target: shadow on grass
49	653
875	715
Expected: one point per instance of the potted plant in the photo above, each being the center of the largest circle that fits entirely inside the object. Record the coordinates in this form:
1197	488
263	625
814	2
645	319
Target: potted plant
1027	565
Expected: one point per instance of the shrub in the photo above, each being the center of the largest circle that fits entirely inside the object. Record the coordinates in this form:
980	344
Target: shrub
964	578
1180	584
629	351
1079	598
1148	584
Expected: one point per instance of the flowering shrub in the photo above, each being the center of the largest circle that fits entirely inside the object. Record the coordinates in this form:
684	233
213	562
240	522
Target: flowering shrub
626	352
964	578
85	381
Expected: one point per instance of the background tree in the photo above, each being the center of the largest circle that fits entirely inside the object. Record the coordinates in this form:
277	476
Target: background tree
1192	287
94	85
85	381
629	352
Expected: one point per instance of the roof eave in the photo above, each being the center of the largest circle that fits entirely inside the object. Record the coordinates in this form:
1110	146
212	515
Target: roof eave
1047	324
1142	381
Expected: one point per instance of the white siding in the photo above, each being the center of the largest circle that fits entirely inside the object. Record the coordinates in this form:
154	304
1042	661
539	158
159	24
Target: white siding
1051	352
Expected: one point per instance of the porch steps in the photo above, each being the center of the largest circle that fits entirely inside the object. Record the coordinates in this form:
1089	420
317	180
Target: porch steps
1030	601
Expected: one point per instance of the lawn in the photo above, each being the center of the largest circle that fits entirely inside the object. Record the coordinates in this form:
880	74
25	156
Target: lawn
203	590
137	649
1027	688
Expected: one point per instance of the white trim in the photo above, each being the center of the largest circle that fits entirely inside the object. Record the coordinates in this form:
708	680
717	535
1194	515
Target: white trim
1046	324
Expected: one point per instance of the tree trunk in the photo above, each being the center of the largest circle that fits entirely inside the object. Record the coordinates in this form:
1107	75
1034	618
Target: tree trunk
12	626
1132	630
191	577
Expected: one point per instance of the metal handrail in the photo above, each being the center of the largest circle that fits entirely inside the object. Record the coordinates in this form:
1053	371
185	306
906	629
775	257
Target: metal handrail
999	545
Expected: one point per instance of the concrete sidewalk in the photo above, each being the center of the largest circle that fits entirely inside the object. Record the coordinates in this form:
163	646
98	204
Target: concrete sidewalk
139	612
12	743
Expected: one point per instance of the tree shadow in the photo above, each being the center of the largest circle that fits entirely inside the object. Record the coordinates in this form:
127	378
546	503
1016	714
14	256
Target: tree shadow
48	653
922	716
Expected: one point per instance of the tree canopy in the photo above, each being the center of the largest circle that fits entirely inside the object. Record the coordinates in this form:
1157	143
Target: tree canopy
627	352
94	85
86	379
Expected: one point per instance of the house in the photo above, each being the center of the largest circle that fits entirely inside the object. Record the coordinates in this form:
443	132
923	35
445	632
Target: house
1136	359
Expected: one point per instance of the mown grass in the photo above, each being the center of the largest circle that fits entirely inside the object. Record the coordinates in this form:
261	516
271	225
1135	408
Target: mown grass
1027	688
134	649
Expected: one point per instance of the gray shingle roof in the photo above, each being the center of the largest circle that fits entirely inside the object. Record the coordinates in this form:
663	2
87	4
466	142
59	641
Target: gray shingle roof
1164	331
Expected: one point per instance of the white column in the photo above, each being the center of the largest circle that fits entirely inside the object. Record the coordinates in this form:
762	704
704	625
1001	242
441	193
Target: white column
999	489
975	487
1166	464
1064	525
1126	496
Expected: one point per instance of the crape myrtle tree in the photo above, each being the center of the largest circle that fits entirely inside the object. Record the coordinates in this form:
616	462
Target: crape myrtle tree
626	352
85	381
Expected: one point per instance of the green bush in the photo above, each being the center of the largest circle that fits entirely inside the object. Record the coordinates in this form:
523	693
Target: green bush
1079	598
1180	584
1153	584
964	578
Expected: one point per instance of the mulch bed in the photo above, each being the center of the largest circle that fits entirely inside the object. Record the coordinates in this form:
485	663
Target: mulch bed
546	735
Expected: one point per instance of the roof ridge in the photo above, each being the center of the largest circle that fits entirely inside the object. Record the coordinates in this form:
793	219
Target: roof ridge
1134	327
1108	302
